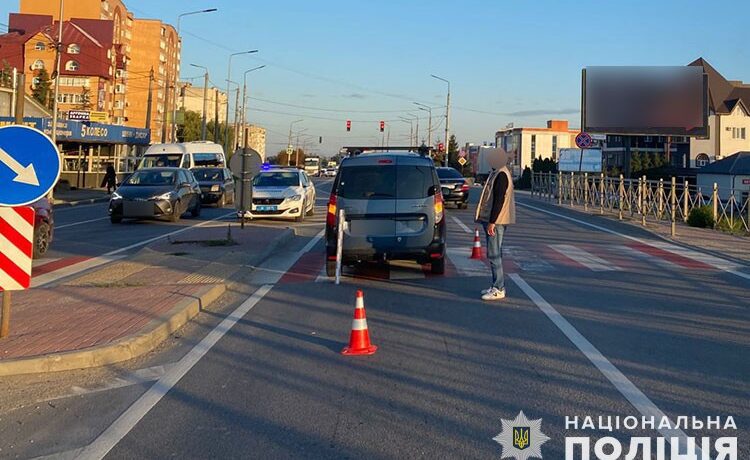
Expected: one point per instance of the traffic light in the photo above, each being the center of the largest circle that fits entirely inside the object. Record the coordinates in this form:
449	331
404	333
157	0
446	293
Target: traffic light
348	125
382	126
441	147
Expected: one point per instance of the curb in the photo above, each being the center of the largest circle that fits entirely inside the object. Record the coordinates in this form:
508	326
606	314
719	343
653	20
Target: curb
67	204
124	349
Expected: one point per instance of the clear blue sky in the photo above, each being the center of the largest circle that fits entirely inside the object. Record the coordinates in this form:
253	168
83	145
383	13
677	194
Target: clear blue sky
367	60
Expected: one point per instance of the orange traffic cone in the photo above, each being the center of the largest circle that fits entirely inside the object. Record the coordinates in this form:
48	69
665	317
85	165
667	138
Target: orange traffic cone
359	341
476	251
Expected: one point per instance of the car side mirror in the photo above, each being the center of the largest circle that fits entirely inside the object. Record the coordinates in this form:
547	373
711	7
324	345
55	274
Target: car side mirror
432	191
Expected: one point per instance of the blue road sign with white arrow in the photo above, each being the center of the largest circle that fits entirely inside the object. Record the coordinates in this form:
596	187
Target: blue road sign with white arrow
29	165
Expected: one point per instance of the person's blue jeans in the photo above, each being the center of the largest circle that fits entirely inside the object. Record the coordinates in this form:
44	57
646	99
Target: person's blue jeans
495	255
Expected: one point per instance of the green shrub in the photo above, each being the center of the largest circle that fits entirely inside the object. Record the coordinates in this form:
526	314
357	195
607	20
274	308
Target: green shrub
736	228
702	217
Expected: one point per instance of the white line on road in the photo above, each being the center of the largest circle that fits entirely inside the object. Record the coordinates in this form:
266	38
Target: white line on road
130	418
461	224
459	257
60	227
635	396
584	258
716	262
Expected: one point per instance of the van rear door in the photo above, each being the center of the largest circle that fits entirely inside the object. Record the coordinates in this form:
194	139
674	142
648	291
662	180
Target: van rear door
415	214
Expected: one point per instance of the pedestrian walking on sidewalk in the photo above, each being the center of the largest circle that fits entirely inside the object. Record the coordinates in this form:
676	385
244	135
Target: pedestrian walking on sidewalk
495	211
110	178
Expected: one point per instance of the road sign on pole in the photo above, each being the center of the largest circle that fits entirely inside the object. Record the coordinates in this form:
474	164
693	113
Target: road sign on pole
462	161
584	140
29	165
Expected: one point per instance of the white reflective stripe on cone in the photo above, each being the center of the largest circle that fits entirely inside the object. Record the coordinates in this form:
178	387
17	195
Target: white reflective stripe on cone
359	324
360	303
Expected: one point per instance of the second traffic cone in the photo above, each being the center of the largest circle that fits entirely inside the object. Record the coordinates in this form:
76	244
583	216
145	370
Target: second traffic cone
359	340
476	251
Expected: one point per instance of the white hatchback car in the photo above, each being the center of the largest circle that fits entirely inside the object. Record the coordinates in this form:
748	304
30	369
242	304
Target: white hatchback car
282	193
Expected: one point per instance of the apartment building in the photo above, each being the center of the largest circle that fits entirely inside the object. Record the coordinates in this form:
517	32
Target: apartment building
525	144
191	98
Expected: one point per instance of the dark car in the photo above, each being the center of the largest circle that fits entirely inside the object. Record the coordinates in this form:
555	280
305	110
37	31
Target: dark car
43	226
454	186
217	185
156	192
393	207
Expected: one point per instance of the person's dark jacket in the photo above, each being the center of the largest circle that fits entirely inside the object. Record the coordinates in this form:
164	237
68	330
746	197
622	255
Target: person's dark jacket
498	198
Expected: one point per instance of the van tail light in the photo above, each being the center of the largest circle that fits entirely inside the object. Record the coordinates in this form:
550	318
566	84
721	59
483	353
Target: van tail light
331	216
438	207
465	187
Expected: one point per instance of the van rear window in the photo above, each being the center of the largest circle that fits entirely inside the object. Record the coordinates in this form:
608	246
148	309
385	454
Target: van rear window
385	182
163	160
207	159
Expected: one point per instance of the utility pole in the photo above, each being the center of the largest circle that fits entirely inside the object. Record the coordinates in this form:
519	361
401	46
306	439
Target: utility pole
236	118
216	115
205	105
289	143
243	114
427	109
447	117
20	99
166	111
229	81
150	98
58	58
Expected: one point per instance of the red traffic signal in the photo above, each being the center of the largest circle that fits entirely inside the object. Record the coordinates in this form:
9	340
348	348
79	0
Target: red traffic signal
382	126
441	147
348	125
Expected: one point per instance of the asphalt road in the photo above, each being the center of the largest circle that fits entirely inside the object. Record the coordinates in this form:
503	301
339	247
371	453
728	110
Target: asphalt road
601	319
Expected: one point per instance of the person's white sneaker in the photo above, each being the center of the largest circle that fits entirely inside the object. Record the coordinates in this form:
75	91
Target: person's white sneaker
494	294
488	290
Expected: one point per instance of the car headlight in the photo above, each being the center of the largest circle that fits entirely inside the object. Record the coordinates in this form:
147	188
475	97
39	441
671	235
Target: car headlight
165	196
294	198
215	188
116	196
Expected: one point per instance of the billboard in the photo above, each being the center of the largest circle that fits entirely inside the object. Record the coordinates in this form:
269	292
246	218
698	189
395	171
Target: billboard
580	160
645	100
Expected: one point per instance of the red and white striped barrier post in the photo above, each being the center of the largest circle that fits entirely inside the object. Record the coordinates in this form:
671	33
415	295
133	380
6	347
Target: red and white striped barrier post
16	250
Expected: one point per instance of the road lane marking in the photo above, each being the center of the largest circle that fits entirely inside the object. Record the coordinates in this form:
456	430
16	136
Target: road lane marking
106	441
461	224
635	396
583	257
459	257
130	418
715	262
629	251
60	227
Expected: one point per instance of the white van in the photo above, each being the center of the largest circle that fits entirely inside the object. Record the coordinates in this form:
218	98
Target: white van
183	155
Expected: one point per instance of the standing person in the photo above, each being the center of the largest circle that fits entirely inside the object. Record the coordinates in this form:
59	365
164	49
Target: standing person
495	211
110	178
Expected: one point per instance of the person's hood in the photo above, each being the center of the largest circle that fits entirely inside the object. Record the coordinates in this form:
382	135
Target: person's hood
498	158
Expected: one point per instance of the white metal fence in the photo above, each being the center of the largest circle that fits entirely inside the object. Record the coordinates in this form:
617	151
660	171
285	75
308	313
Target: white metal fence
667	201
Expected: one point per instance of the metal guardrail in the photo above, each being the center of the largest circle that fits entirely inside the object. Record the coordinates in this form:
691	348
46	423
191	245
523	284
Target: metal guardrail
661	201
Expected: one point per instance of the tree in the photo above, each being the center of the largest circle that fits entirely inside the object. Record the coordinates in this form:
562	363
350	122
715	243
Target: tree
85	103
646	162
6	75
636	163
281	158
192	127
453	152
42	90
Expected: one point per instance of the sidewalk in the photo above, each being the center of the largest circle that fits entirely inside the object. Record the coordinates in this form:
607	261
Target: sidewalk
715	242
79	197
126	308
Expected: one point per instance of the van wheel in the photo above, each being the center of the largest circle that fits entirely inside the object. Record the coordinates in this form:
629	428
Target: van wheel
330	268
437	267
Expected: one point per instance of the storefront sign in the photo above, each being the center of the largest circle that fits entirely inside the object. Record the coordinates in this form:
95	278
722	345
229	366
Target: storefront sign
76	131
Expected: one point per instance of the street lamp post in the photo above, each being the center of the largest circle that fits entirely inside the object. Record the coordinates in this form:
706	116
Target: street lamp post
447	117
411	128
176	76
205	100
229	77
243	114
428	109
289	144
296	160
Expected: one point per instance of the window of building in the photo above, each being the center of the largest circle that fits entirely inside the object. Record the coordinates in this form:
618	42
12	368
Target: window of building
119	88
73	48
701	160
40	46
71	66
554	147
75	81
742	133
37	65
533	147
738	133
118	104
69	98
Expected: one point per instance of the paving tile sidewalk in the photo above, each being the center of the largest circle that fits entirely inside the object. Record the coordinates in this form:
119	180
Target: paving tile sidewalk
119	301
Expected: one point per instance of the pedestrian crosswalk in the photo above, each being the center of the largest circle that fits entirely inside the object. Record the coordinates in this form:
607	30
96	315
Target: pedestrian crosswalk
522	255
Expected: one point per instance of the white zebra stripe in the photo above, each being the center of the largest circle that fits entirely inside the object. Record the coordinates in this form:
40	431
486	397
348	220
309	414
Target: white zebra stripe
584	258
